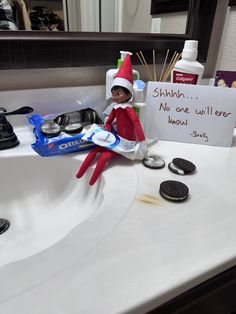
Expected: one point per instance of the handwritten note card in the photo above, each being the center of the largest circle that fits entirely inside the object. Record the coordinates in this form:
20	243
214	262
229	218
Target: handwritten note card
189	113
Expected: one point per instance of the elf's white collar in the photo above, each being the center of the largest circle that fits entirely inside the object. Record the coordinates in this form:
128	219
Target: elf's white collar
123	106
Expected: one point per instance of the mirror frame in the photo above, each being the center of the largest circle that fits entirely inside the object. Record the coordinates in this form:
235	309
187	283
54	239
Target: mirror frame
37	49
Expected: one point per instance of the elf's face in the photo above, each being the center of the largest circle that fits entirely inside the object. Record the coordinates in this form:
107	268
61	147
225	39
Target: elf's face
120	96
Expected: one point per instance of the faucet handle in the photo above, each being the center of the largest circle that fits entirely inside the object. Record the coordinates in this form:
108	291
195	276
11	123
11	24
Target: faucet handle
22	110
2	111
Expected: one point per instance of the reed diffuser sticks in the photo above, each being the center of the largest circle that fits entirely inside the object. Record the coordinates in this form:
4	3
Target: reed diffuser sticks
144	64
165	71
164	65
171	65
154	64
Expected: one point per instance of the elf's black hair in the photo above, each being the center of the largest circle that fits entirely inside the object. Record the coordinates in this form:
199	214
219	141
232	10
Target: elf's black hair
124	89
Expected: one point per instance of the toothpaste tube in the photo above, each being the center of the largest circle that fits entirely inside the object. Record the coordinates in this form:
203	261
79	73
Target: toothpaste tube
114	142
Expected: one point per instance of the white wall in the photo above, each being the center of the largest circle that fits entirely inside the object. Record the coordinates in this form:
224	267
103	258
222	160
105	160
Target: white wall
108	15
227	53
136	16
170	23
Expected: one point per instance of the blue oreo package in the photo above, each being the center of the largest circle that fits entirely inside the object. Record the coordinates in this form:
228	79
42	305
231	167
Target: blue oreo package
64	141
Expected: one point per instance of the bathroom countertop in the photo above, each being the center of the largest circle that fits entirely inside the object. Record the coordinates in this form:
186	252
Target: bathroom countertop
157	250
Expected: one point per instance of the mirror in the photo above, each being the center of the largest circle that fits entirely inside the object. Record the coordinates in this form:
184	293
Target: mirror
29	50
136	16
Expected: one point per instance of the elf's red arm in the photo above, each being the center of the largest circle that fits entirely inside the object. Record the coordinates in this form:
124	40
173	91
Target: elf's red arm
137	125
109	121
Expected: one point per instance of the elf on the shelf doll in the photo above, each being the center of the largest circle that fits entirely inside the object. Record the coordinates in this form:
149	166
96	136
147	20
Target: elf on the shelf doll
128	125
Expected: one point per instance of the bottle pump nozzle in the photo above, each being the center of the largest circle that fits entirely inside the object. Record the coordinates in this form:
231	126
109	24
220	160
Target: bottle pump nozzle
123	54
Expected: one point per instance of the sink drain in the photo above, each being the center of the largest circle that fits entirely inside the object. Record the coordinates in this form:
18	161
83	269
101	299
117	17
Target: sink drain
4	225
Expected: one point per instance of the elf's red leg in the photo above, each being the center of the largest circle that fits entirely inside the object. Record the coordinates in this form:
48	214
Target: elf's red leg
87	162
105	156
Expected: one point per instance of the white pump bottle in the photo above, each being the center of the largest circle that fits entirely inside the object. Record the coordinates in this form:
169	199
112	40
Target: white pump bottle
188	70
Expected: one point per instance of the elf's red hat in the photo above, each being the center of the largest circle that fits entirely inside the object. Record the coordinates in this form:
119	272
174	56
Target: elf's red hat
124	76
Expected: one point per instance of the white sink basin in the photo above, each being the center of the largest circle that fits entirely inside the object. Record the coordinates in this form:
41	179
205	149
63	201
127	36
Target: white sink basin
44	202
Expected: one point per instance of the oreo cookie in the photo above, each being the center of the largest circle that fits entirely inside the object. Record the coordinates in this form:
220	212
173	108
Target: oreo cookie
174	191
50	128
153	162
181	166
73	128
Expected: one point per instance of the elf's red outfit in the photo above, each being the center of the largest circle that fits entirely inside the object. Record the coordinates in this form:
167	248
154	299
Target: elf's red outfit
104	157
127	124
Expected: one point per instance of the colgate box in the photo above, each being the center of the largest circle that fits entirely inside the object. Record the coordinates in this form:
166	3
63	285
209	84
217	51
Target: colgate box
63	143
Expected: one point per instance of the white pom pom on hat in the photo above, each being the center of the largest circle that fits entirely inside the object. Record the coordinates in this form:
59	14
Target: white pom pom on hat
124	76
